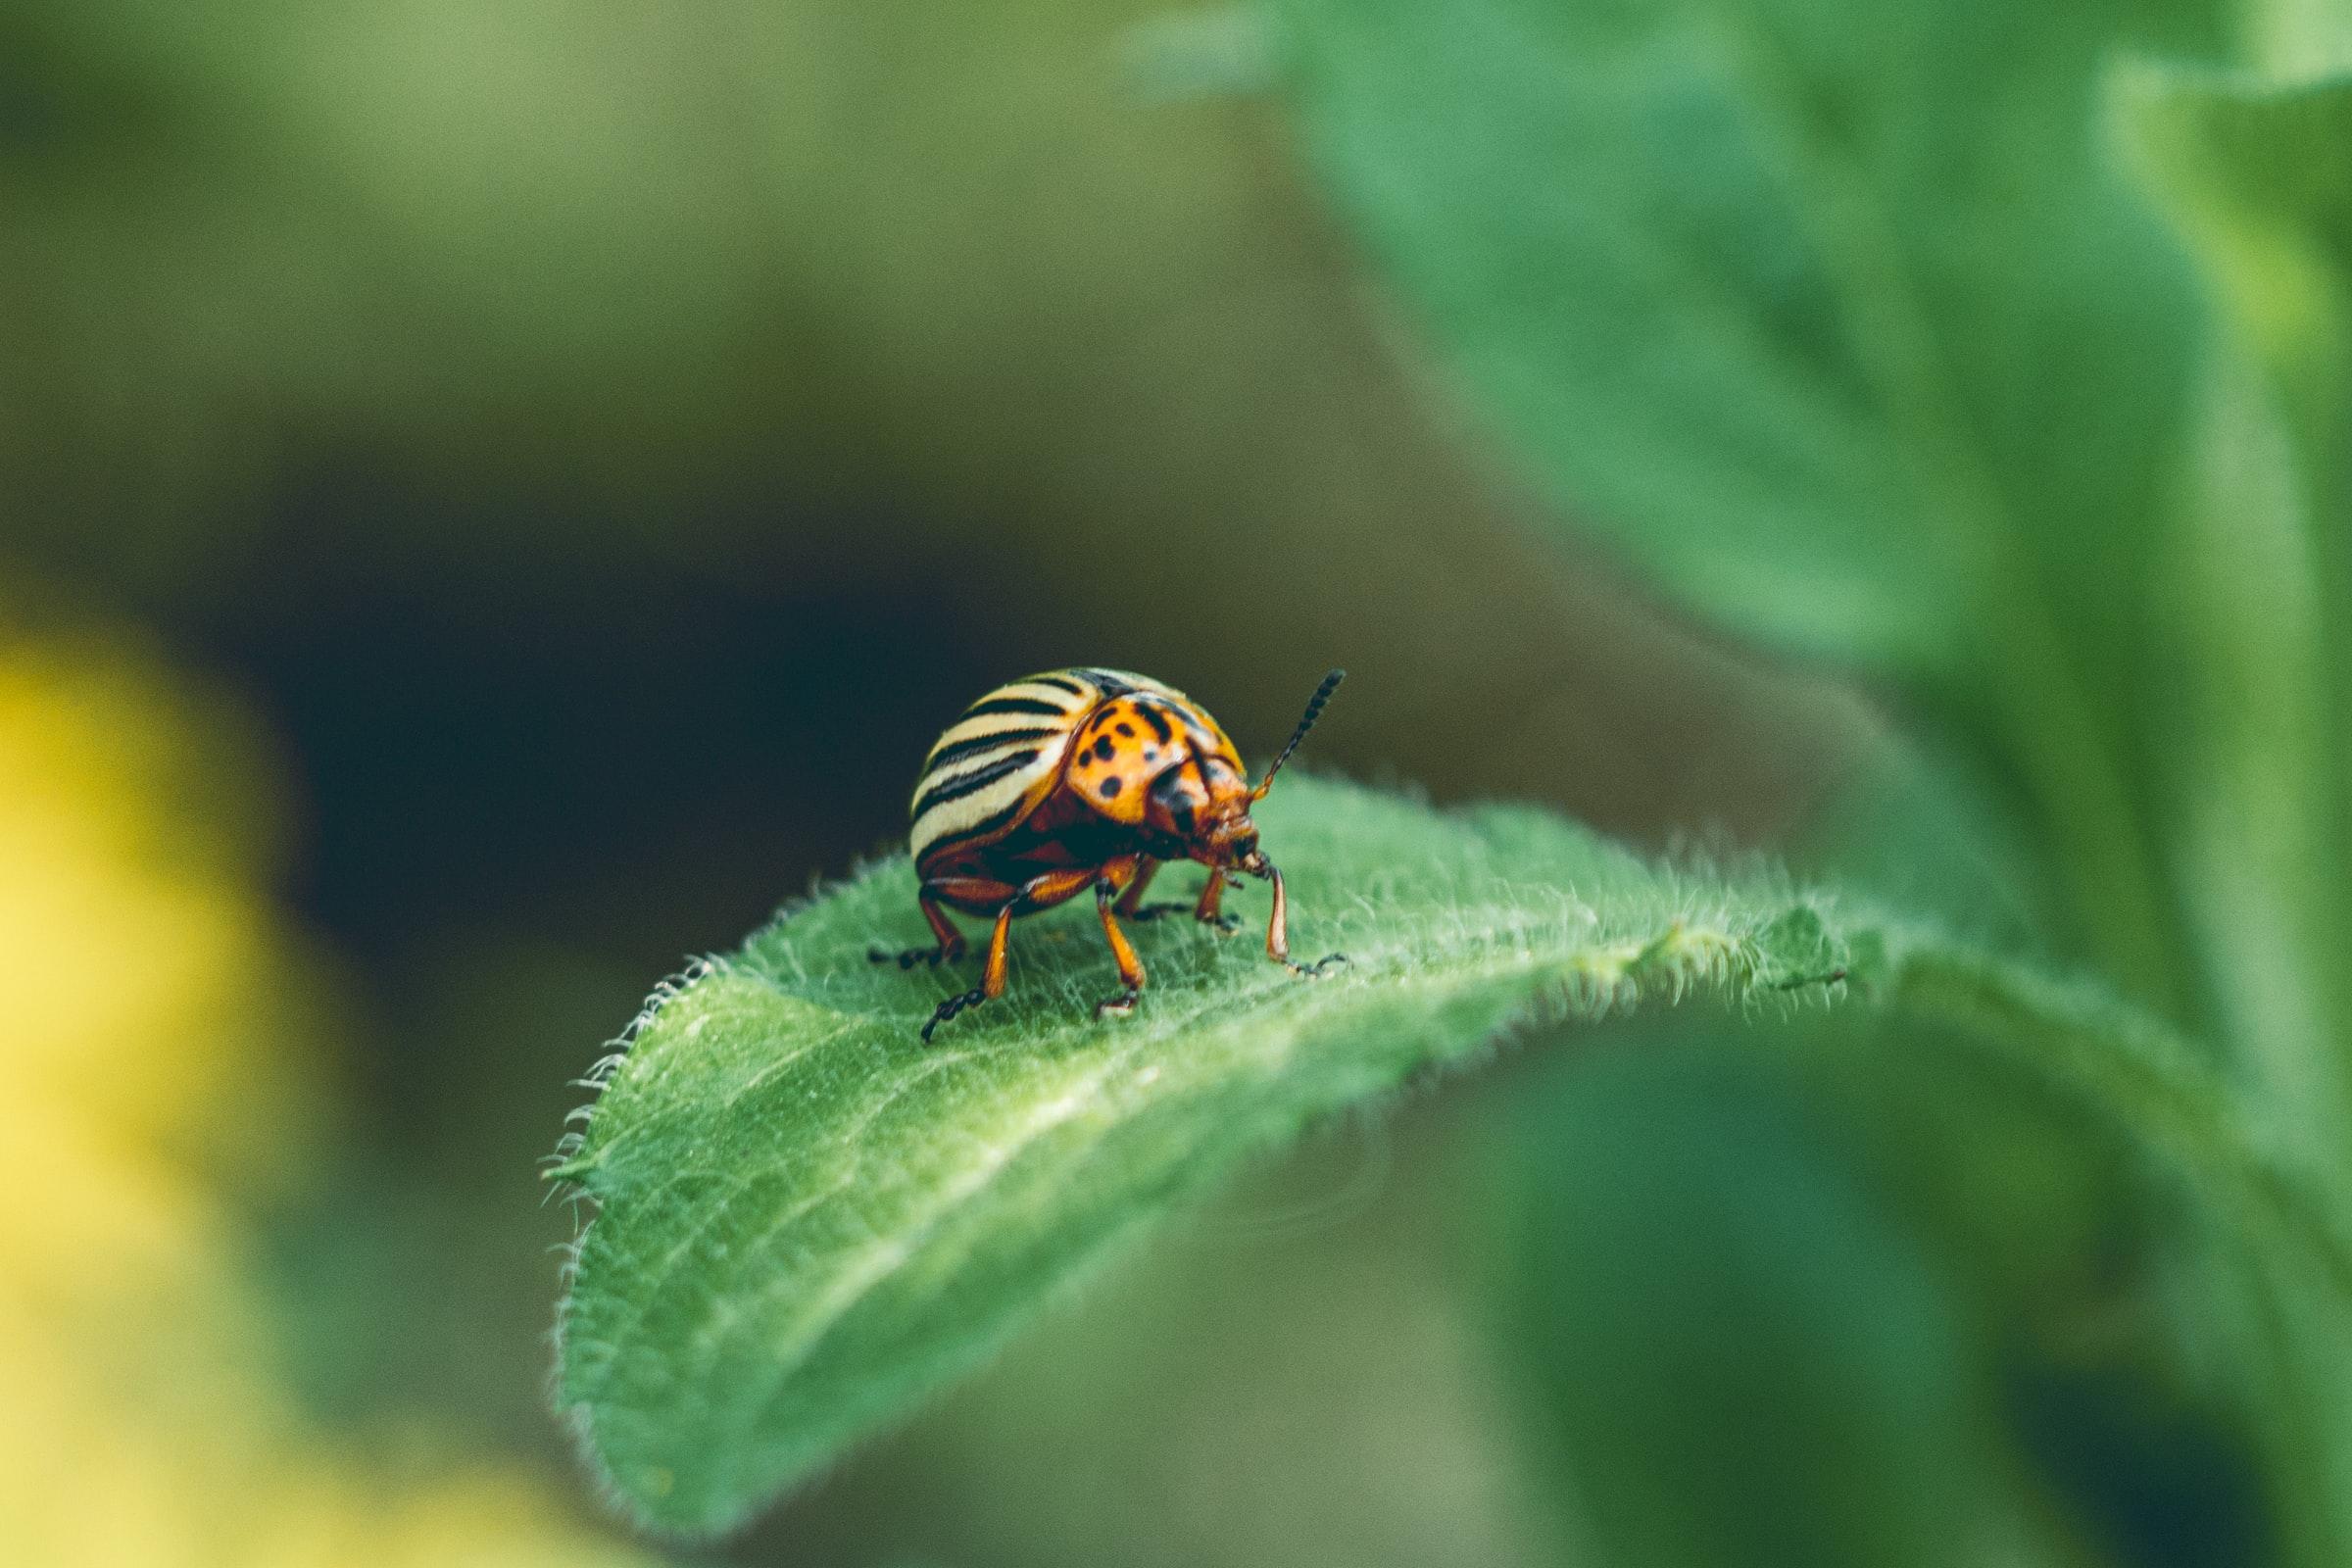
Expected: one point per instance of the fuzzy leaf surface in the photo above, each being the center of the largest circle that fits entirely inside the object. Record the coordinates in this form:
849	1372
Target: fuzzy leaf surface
807	1220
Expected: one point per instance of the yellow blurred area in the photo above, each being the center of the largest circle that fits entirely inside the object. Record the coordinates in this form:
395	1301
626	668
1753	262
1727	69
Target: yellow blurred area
158	997
160	1049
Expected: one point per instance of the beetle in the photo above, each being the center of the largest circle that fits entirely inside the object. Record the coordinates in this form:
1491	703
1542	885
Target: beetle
1078	779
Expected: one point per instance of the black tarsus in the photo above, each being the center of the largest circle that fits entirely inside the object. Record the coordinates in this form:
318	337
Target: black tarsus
908	958
951	1007
1222	920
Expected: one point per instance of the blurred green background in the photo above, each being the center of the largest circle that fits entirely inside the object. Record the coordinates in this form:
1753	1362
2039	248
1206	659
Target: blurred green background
494	496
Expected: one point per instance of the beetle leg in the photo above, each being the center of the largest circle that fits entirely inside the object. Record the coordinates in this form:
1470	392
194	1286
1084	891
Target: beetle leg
1278	934
1131	967
1035	894
1204	911
951	941
992	975
1131	905
949	1009
1207	911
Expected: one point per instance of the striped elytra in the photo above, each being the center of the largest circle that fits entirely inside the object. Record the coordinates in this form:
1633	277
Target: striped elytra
1083	780
1004	755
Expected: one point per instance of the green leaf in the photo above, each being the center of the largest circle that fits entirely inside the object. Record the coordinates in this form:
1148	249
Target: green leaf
1735	1350
2256	177
806	1220
1788	298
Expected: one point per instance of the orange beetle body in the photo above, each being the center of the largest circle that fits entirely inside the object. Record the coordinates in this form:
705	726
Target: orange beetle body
1084	780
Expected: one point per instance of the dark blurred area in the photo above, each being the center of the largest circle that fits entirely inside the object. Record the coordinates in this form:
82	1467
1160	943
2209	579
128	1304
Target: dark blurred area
493	499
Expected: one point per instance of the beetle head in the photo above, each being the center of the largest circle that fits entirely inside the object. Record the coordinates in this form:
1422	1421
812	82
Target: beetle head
1229	839
1225	835
1205	805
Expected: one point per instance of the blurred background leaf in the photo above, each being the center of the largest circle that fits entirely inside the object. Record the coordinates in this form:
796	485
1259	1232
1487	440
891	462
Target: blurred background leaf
1844	326
1740	1356
1852	329
2259	178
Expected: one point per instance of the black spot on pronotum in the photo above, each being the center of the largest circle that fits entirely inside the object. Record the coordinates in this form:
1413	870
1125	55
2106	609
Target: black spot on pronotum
1158	722
1103	748
1111	787
1127	729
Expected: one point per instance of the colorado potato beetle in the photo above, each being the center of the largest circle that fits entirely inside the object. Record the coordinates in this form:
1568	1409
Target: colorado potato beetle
1078	779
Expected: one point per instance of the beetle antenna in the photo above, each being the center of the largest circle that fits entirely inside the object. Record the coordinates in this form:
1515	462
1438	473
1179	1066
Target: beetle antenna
1306	721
